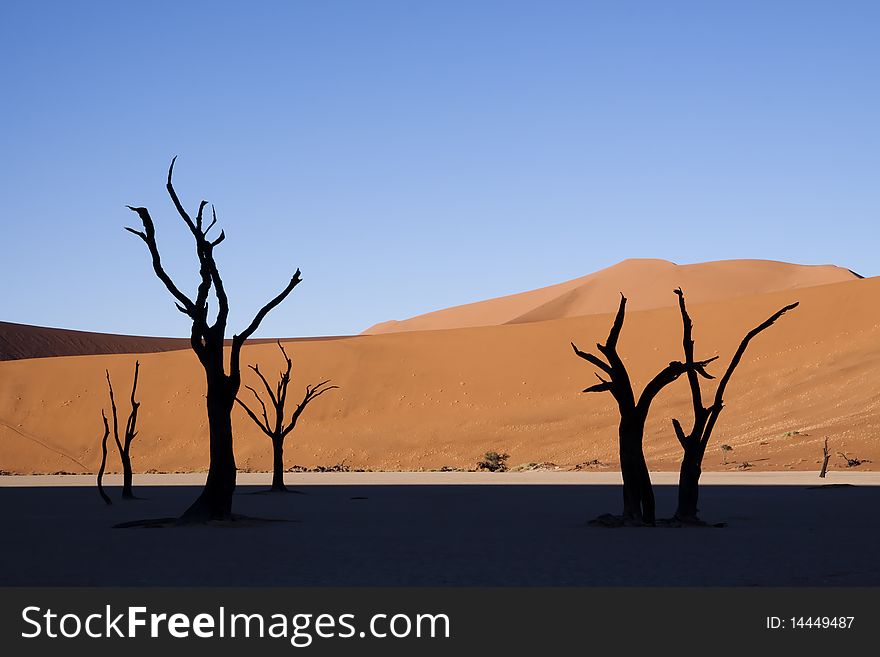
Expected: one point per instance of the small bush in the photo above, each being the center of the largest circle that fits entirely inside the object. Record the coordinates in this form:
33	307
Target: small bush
588	464
494	462
725	450
339	467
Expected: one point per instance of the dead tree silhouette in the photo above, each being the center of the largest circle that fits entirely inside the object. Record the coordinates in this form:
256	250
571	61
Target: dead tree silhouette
638	494
124	446
694	443
207	340
278	429
103	494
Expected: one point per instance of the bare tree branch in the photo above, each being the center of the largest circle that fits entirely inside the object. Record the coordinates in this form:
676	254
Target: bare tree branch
214	221
688	344
265	427
113	409
312	393
694	443
177	204
261	314
737	357
256	369
590	358
621	386
614	334
130	426
667	375
679	432
149	237
239	340
718	403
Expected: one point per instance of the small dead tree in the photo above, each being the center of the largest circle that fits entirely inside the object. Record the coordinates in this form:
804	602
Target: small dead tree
638	494
124	445
207	340
851	461
103	494
826	454
694	442
278	429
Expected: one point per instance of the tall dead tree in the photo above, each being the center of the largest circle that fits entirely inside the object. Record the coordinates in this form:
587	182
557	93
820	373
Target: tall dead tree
207	340
101	491
278	428
124	445
638	494
694	443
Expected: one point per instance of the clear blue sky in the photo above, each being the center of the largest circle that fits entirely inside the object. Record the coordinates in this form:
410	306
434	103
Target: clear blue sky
414	155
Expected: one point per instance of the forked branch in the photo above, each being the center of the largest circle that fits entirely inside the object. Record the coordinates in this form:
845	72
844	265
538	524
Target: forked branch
239	340
706	417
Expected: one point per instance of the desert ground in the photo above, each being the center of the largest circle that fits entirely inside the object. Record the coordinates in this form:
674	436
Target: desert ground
437	392
430	397
439	529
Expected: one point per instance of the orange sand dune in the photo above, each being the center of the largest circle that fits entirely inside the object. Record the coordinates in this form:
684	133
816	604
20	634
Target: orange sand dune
24	341
646	281
426	399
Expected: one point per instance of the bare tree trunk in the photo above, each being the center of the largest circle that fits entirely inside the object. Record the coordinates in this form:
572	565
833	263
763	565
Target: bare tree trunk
278	465
277	431
124	445
646	491
127	492
206	340
104	495
638	493
130	433
689	484
827	457
215	501
694	443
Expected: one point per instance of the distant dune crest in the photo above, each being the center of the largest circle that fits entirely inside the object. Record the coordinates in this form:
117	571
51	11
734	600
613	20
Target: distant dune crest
647	282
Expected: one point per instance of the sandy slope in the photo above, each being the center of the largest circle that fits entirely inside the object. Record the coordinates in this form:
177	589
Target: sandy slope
646	281
431	398
25	341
